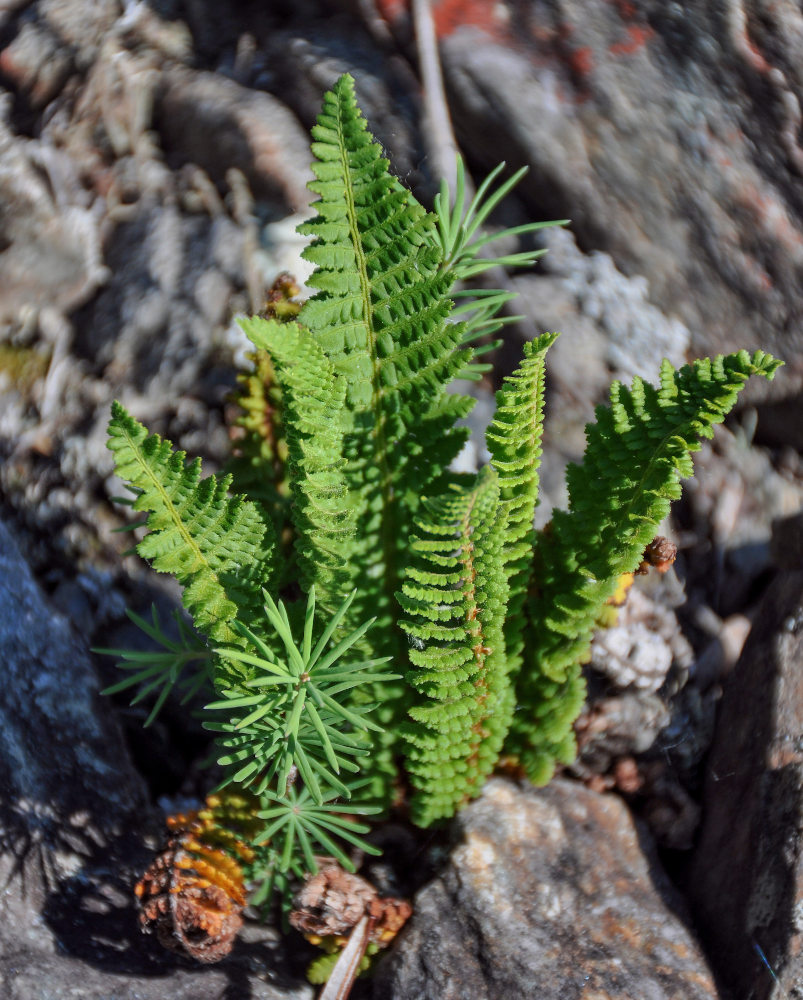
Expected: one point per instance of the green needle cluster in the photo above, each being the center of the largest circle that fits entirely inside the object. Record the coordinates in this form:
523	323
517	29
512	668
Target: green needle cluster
289	716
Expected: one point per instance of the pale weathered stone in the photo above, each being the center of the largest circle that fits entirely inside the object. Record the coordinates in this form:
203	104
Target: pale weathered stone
551	895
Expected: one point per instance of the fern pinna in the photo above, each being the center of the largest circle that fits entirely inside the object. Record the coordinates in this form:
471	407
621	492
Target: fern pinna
424	623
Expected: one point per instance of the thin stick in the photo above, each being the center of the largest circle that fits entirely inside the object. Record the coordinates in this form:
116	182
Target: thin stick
339	984
443	147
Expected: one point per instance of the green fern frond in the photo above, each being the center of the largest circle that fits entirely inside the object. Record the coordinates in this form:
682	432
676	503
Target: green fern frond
218	547
514	441
285	711
636	454
321	512
455	594
381	316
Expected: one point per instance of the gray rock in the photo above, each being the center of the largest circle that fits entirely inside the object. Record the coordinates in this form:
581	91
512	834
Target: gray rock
549	894
253	132
634	335
73	815
50	250
36	63
304	61
668	134
639	649
746	880
786	543
61	762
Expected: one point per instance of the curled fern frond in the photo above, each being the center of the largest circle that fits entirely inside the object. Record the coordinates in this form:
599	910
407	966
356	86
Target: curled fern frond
287	712
454	594
219	548
184	663
636	454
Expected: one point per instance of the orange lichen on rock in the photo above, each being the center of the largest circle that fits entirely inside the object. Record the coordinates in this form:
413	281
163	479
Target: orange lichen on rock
637	36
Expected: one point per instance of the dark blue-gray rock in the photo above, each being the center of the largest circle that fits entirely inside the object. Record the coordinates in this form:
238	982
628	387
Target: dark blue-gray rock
73	823
746	880
551	893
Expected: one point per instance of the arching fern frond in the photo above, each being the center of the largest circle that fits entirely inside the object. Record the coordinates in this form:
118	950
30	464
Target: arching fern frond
514	441
218	547
321	512
636	454
455	594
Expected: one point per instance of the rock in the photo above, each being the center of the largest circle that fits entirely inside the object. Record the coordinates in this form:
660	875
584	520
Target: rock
627	723
669	136
746	879
786	543
61	763
304	61
49	250
73	815
639	648
581	289
550	894
68	787
157	323
728	510
36	63
253	132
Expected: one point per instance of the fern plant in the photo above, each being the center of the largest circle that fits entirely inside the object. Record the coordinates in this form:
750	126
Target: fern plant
424	627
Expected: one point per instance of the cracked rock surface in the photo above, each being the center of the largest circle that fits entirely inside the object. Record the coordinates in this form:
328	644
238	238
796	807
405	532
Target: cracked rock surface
559	901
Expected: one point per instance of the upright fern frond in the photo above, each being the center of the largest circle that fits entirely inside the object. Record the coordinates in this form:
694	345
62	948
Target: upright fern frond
381	317
219	548
514	441
322	515
455	594
636	454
